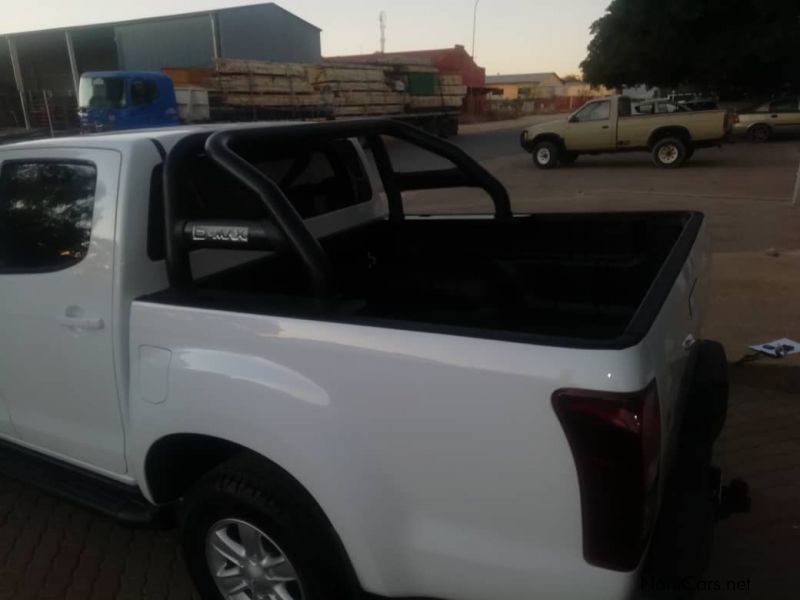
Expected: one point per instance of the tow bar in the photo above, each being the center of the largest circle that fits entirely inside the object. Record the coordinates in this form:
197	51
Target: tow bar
728	499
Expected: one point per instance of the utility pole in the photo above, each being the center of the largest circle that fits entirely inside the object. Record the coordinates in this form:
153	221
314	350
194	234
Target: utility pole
474	26
382	19
215	50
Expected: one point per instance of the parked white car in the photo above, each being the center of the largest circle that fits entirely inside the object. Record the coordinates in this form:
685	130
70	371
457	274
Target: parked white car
240	327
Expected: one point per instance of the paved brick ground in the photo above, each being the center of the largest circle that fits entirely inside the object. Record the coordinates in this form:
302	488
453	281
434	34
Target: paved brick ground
54	550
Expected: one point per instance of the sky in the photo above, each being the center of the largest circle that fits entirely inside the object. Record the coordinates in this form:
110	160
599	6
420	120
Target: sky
513	36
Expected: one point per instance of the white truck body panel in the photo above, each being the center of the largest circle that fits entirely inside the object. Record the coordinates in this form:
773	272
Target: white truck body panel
448	458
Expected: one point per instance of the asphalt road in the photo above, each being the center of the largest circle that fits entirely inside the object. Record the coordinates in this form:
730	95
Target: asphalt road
481	145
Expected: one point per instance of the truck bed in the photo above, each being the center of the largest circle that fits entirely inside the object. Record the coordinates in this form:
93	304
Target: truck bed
705	128
572	280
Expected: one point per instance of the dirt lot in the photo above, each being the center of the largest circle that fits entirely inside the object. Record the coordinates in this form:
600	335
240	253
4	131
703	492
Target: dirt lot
50	549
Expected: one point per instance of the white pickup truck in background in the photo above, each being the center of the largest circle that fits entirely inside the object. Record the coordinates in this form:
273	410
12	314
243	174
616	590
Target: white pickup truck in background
241	328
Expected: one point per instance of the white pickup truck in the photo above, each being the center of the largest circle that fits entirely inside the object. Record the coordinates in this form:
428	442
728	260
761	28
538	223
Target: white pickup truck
239	329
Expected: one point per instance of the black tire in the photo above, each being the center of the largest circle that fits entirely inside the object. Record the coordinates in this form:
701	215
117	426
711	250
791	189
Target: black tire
250	490
569	158
452	126
710	392
669	153
759	134
546	155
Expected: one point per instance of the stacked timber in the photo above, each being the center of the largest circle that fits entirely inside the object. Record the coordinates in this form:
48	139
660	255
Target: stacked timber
431	91
452	85
332	89
427	90
356	90
262	84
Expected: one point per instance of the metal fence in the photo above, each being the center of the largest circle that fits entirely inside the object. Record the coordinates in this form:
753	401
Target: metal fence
517	107
10	112
45	110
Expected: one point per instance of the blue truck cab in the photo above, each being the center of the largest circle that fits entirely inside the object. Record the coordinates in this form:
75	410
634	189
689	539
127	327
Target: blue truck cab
117	100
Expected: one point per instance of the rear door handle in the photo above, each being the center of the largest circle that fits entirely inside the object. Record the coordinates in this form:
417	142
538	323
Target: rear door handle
86	323
605	126
774	116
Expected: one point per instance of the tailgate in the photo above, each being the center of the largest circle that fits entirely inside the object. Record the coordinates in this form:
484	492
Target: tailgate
707	125
679	324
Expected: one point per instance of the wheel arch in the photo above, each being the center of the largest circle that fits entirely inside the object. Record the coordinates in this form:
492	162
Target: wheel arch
676	131
176	461
548	137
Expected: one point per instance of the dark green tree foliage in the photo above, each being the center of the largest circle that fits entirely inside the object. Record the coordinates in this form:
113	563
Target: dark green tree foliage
733	46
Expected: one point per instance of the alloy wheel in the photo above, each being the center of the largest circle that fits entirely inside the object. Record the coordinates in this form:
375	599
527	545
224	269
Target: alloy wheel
246	564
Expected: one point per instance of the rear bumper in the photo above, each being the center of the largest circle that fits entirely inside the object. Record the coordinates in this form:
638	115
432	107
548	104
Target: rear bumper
525	142
682	541
741	129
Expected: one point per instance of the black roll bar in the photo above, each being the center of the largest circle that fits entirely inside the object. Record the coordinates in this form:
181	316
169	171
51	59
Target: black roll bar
221	147
179	270
289	222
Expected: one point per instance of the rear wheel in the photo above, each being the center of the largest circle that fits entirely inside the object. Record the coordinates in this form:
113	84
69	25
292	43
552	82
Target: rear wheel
247	534
759	134
546	155
670	153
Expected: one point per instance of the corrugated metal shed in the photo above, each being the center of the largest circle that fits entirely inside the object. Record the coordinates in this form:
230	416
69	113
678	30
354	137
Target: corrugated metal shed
257	32
6	74
267	32
178	42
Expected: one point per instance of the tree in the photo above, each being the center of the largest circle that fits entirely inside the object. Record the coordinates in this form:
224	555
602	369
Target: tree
732	46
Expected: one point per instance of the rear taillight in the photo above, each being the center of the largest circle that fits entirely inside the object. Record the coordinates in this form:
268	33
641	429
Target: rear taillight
616	442
736	119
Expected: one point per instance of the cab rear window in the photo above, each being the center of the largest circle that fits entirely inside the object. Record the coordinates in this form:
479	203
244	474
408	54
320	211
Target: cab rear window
317	180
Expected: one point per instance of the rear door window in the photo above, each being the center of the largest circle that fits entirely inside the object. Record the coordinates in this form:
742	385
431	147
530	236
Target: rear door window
317	179
46	212
321	180
784	106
